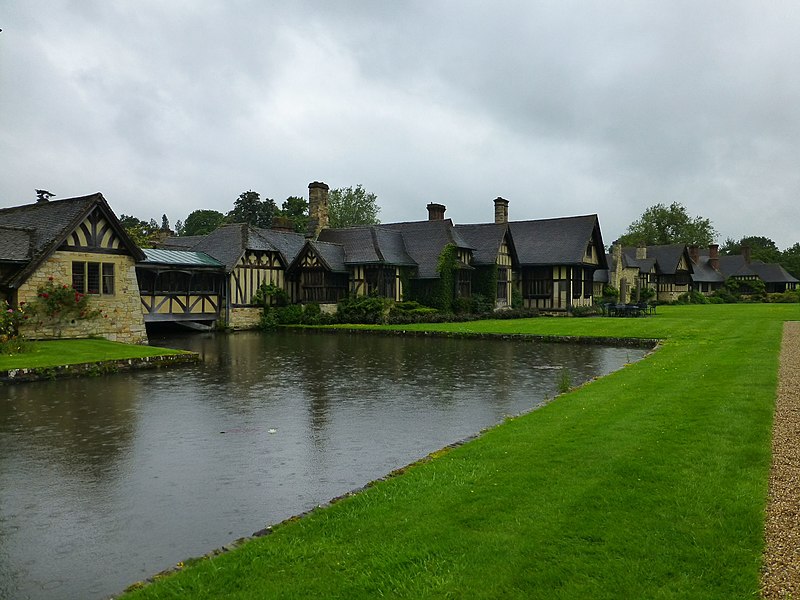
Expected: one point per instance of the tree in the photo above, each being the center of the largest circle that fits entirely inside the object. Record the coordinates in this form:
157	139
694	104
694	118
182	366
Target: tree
790	259
671	224
761	248
249	208
202	222
141	232
164	223
295	208
352	206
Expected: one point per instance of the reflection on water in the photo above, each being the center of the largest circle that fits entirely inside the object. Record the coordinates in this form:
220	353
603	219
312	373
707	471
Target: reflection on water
106	481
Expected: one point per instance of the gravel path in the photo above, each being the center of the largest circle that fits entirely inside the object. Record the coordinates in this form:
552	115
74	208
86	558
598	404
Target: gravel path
781	576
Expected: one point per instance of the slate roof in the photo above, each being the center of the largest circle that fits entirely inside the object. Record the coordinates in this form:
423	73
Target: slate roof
485	239
369	245
425	240
332	255
702	271
736	266
665	257
560	241
16	244
178	257
49	223
228	243
184	242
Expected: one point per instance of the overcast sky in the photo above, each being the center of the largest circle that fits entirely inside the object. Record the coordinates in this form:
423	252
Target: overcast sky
561	107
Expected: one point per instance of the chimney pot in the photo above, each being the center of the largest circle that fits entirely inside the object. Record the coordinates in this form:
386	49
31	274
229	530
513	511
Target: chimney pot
436	211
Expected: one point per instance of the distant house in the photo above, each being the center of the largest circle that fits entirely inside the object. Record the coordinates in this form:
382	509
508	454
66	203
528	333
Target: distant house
77	242
743	269
667	269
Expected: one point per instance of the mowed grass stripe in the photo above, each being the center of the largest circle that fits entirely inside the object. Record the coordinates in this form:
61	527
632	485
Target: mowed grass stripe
648	483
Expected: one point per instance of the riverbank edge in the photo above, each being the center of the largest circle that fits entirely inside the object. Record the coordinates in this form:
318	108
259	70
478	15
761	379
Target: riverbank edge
651	344
619	342
97	368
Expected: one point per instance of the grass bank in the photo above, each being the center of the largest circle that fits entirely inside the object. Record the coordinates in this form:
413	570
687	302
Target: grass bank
648	483
43	355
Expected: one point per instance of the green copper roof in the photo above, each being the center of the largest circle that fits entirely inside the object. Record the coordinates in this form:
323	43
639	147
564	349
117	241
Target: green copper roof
178	257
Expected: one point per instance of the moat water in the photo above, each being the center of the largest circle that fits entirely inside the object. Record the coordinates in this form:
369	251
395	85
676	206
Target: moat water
106	481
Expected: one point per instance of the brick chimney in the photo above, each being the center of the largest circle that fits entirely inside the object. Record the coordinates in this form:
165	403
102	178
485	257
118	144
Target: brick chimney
713	256
282	224
641	251
317	208
500	210
436	211
746	254
694	253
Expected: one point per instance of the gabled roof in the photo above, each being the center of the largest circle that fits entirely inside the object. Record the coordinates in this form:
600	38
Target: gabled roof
485	239
49	224
702	272
667	258
330	255
369	245
425	240
287	243
560	241
228	243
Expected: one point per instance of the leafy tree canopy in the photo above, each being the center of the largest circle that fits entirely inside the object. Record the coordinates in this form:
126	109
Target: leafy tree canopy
790	259
661	224
202	222
352	206
295	208
249	208
141	232
761	248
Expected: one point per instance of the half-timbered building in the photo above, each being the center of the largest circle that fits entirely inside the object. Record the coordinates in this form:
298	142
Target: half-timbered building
557	260
75	242
180	286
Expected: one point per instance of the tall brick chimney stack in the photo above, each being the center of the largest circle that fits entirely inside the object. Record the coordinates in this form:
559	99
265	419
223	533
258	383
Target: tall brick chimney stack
641	251
746	254
500	210
317	208
436	211
694	253
713	256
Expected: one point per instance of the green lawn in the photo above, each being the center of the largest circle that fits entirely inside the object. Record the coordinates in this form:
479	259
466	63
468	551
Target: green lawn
70	352
648	483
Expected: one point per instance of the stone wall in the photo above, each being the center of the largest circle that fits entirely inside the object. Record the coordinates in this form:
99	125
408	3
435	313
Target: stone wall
245	318
121	318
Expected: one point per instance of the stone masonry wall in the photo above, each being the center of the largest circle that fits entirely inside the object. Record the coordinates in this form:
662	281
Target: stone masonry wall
121	319
245	318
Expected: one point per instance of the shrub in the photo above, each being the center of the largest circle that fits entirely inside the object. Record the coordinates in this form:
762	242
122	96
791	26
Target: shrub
691	297
363	309
787	297
610	294
55	305
269	294
11	341
585	311
516	298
